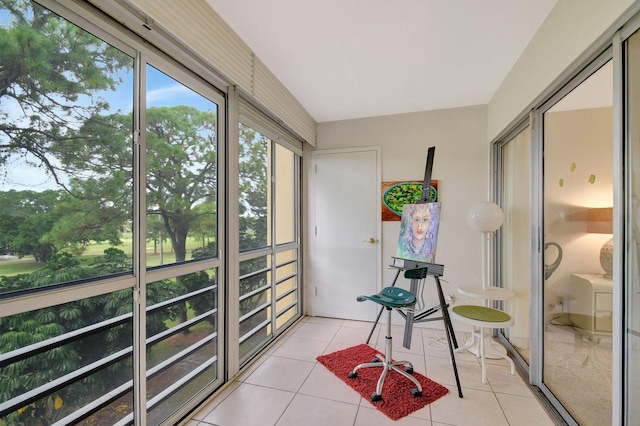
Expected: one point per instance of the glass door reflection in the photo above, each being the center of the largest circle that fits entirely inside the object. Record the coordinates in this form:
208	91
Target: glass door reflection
577	297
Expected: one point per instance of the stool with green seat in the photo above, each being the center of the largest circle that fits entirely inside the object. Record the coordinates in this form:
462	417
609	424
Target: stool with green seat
390	298
483	318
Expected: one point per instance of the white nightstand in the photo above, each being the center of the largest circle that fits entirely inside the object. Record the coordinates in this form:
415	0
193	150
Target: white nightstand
591	303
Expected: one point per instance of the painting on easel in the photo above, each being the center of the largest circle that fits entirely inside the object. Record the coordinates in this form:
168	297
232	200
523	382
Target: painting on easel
419	232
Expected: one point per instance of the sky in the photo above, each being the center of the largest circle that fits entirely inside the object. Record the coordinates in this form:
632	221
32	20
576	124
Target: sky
21	172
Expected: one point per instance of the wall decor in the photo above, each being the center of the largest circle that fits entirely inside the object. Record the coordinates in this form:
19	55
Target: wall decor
398	193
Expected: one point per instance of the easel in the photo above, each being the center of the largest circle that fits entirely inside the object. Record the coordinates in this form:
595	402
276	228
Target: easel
423	270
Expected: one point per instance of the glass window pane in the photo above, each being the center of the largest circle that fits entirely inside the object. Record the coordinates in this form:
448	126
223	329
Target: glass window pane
66	163
255	280
182	339
255	303
254	190
98	342
285	317
285	195
181	172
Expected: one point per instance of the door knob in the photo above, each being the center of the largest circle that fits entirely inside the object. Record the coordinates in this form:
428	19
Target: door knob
370	240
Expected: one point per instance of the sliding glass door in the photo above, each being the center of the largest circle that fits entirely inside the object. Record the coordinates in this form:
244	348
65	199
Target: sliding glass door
515	237
577	143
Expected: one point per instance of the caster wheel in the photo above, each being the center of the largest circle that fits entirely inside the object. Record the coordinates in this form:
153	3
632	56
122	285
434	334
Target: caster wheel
353	374
409	370
415	392
375	397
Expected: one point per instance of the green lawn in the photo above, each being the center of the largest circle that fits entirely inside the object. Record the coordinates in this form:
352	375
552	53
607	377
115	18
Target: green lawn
28	264
22	266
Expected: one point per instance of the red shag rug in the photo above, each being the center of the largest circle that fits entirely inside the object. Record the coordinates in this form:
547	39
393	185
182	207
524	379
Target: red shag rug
397	400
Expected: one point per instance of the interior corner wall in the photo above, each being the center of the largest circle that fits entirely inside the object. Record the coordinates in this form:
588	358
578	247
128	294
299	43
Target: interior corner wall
460	166
569	30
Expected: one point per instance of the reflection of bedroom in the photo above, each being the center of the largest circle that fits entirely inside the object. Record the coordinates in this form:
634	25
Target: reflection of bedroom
577	293
578	298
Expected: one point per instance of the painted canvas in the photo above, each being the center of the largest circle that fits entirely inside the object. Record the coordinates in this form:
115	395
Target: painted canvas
419	232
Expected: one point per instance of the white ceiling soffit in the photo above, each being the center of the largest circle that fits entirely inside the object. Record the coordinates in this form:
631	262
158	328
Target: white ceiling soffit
346	59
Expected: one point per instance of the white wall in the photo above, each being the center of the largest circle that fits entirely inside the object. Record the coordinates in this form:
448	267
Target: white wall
569	30
460	164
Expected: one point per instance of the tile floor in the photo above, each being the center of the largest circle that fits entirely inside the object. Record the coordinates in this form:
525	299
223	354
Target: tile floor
287	386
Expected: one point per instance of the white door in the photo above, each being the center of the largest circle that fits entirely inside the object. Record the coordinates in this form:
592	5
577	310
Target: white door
346	262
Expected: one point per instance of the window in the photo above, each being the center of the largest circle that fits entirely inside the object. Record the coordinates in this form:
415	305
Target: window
111	236
268	203
67	154
181	174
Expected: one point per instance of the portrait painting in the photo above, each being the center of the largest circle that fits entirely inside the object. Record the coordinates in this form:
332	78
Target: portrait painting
419	232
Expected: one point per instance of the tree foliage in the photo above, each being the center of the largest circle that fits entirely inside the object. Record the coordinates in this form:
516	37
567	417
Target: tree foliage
50	72
253	181
181	168
26	217
18	331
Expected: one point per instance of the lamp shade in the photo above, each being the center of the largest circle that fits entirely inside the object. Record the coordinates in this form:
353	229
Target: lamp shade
485	217
600	220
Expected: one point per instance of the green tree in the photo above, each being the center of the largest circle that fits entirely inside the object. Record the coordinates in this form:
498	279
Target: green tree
205	225
253	181
181	168
51	73
26	217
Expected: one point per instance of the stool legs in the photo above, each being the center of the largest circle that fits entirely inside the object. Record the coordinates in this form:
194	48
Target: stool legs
388	364
482	336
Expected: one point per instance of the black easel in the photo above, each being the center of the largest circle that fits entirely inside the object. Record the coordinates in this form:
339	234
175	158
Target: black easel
422	270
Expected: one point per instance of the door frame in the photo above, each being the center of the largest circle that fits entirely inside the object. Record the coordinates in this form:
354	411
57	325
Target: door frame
310	283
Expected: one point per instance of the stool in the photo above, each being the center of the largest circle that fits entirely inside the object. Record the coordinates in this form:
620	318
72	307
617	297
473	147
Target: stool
390	298
483	318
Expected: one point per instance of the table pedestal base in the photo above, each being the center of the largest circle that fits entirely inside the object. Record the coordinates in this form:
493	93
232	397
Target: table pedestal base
492	350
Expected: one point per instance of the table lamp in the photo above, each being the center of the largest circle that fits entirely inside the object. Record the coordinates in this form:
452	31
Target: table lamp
485	217
600	221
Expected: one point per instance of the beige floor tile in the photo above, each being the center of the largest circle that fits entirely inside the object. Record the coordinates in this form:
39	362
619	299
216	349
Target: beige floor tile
309	411
359	324
469	373
281	373
302	349
312	330
477	408
222	395
337	346
352	335
524	411
501	381
322	383
370	416
286	386
266	407
326	321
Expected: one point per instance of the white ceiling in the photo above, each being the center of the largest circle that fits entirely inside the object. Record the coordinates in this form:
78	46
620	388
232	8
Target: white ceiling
346	59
